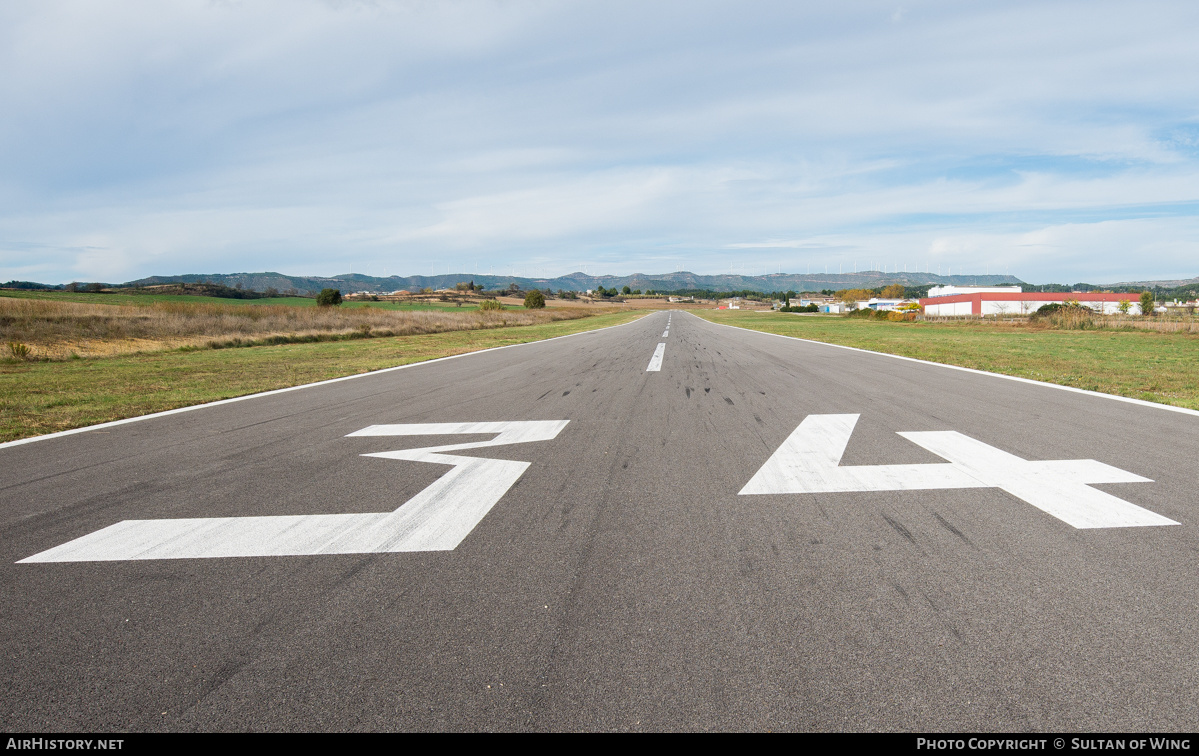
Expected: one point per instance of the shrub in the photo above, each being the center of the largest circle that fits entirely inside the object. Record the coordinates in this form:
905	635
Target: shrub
19	350
329	298
490	304
534	300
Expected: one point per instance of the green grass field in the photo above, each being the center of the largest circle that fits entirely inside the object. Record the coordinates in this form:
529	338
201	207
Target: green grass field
1156	367
42	397
149	299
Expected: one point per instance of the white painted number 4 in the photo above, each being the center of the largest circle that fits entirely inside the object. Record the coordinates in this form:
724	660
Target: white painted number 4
809	462
436	519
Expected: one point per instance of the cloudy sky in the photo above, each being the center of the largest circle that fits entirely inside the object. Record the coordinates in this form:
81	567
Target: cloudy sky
1057	141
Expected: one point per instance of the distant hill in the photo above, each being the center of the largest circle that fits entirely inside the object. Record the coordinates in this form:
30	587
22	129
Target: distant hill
577	281
1174	284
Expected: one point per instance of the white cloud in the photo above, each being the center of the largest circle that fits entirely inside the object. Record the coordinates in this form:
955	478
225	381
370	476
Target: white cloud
156	138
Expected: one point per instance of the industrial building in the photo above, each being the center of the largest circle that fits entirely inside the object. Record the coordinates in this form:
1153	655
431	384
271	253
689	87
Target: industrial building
1011	300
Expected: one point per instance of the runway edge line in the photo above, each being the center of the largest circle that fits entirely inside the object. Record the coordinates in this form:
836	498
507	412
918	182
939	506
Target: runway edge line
1128	399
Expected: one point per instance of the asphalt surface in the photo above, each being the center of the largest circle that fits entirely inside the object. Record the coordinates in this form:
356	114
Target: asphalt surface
621	583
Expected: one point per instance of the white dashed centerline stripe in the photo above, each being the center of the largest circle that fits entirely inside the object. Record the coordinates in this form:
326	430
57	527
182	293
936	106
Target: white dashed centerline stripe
655	362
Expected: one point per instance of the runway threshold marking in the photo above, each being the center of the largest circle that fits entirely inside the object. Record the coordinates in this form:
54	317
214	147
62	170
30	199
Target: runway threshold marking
655	362
436	519
809	462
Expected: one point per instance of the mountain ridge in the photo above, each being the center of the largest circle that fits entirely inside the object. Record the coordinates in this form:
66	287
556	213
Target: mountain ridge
578	281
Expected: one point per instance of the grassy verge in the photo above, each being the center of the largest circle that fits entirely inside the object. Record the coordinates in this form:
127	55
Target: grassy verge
43	397
1156	367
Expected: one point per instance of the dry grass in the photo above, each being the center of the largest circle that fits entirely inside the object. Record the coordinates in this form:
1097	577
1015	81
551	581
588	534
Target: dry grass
62	330
1161	324
41	396
1079	319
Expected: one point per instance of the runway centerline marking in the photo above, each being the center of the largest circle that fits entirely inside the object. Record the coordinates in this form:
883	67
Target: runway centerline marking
655	362
436	519
809	462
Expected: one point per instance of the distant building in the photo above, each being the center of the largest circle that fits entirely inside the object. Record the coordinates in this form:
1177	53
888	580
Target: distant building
835	307
884	305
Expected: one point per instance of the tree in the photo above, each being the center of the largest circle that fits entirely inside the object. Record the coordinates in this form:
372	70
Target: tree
626	290
853	296
534	300
329	298
894	291
1146	302
1124	306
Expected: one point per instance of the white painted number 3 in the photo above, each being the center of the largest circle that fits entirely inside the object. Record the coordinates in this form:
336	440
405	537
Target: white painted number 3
809	461
436	519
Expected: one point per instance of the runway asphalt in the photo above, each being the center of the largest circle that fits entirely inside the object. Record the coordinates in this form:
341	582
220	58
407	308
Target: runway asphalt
628	577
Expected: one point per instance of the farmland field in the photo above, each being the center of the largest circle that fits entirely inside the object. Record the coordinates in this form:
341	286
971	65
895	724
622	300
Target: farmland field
39	397
149	299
